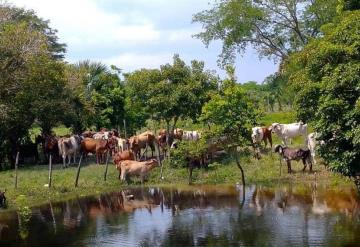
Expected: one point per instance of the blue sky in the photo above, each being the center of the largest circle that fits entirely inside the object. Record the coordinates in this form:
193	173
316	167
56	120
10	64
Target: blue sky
134	34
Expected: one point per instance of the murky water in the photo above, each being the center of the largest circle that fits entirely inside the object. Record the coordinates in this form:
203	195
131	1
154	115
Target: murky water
201	216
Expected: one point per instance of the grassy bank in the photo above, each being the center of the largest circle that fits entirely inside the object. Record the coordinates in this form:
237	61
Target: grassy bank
32	180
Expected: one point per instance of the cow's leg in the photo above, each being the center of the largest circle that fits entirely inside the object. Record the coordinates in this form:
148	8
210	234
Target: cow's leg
64	164
304	163
310	164
265	141
313	158
270	141
288	162
123	174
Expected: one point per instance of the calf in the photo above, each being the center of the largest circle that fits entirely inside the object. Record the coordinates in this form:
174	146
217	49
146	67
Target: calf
137	168
289	154
261	134
121	156
2	199
288	131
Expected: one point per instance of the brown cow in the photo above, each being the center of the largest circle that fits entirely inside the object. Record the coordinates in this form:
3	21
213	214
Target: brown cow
258	135
137	168
98	146
161	138
121	156
136	143
50	146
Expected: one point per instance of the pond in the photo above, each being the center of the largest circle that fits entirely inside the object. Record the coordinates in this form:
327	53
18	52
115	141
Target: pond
282	215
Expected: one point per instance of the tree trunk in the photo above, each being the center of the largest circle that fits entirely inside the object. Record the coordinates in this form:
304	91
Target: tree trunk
240	167
16	169
50	171
168	136
78	171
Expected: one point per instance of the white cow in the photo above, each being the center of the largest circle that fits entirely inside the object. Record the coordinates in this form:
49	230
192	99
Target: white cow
69	147
121	144
191	135
288	131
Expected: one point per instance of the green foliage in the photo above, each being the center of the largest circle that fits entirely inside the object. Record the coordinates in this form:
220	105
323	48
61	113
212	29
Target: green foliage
188	150
31	84
97	96
348	5
11	15
233	113
327	76
172	92
275	28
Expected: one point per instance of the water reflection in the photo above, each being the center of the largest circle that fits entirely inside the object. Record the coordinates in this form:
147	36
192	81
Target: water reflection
282	216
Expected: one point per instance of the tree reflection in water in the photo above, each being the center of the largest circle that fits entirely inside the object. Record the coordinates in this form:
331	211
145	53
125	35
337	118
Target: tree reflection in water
199	215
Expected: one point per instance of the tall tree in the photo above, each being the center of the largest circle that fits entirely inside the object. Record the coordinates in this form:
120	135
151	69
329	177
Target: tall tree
274	28
175	91
97	96
31	83
326	75
10	14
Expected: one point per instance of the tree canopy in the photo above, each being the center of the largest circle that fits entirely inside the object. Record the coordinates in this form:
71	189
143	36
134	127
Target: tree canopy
174	91
274	28
326	75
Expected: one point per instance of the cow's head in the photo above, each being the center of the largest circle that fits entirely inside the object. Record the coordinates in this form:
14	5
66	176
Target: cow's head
133	142
278	149
275	127
152	162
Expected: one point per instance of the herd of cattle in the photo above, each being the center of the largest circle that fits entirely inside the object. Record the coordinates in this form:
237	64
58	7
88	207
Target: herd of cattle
286	132
130	155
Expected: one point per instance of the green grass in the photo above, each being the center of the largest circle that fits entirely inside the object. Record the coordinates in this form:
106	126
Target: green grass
31	180
278	117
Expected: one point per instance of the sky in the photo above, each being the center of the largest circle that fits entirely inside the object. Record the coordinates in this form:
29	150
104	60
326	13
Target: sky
134	34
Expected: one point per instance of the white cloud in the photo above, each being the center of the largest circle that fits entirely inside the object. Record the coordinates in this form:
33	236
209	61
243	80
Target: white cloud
81	23
132	61
133	34
182	35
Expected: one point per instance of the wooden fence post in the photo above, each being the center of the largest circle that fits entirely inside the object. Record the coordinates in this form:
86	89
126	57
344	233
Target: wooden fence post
106	167
78	171
50	170
16	169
